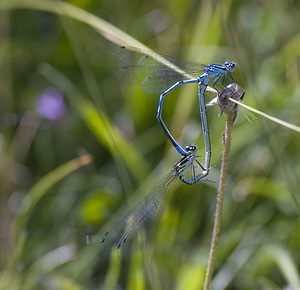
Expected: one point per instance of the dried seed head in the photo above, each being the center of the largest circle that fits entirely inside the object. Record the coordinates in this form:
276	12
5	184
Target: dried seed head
226	106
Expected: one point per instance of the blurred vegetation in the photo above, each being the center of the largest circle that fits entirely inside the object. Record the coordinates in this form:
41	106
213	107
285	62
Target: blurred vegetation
48	203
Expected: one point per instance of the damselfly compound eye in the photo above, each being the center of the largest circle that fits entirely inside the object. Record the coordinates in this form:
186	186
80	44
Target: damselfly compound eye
190	148
230	65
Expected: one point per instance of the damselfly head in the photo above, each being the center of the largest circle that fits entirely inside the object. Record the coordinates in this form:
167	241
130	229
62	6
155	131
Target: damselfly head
191	148
230	65
185	159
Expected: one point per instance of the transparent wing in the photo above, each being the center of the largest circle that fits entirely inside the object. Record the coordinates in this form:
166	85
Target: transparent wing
153	75
140	216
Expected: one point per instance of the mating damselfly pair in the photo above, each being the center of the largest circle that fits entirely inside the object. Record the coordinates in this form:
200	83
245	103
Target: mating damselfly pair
188	169
158	77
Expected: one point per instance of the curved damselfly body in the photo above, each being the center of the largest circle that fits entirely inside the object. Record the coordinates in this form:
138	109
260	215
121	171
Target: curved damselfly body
188	170
165	79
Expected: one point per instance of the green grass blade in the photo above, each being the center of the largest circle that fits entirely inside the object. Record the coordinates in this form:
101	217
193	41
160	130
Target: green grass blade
107	30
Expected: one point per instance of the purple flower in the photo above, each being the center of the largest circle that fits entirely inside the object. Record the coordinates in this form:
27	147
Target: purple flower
51	105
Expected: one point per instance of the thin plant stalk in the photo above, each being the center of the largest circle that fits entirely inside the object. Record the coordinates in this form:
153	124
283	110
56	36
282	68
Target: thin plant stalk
219	202
223	100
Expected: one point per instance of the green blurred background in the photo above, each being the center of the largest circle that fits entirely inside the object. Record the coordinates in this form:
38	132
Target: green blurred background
59	100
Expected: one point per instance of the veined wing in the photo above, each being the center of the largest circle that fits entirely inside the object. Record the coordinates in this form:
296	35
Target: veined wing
138	67
143	213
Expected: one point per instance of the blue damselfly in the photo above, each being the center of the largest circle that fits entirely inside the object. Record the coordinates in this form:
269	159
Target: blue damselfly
157	77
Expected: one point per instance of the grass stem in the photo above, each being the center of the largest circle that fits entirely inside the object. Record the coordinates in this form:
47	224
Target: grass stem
219	202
